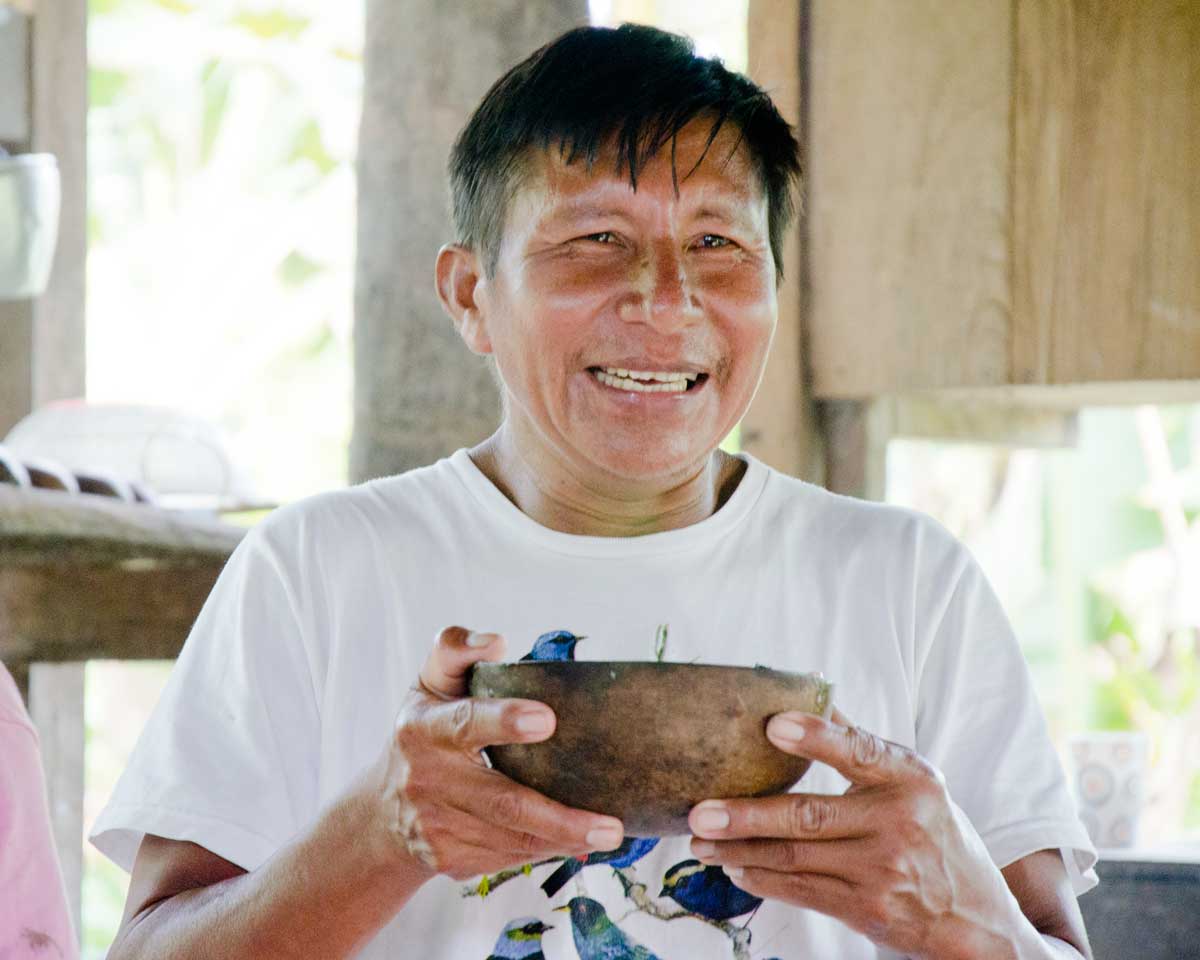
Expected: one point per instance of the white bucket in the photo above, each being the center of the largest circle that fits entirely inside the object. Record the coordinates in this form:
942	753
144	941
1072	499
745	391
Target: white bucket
29	206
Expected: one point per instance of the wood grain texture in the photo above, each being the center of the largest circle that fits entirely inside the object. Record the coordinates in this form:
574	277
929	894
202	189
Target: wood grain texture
59	114
14	77
419	393
780	428
1106	196
909	115
86	577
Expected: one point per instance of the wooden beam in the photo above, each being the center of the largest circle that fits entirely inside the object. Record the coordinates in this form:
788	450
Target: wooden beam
85	577
56	707
780	427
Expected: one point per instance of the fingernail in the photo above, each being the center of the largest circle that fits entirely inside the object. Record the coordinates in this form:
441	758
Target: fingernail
605	838
712	817
782	728
479	639
534	721
703	848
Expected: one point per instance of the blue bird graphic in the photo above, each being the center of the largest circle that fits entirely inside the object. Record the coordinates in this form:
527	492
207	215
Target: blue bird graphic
521	939
555	645
597	937
631	850
707	890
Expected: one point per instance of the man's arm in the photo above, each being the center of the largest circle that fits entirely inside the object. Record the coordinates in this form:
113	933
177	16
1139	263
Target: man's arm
323	895
1040	884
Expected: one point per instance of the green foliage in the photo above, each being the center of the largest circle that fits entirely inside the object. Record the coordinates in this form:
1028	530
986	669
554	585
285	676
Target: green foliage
106	86
216	79
310	145
296	269
272	24
660	642
176	6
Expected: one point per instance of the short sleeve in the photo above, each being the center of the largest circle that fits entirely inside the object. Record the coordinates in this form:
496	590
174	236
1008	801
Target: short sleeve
228	757
980	723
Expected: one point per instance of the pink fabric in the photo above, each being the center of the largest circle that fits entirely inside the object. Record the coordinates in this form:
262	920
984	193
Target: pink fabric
34	922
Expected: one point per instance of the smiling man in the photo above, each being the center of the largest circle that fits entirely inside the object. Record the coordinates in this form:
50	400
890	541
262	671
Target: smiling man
312	782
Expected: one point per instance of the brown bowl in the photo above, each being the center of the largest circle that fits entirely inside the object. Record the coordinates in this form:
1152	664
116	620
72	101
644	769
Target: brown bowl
647	741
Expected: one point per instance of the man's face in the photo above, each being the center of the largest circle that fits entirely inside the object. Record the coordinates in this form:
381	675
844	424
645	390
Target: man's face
594	278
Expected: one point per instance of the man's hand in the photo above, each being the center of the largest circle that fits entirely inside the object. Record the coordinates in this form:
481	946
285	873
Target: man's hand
438	801
891	858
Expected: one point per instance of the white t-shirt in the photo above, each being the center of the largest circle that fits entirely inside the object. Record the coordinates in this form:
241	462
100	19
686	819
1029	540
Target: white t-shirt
291	680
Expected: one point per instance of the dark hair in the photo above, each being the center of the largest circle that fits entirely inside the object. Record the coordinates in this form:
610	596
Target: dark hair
634	84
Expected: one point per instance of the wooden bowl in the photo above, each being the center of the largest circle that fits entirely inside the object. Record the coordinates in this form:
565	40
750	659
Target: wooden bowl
647	741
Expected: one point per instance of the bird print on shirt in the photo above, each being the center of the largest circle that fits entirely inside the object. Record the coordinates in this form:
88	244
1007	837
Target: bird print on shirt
521	939
555	645
597	937
631	850
707	891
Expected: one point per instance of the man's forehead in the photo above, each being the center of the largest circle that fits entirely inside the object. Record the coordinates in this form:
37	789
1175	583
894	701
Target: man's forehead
726	174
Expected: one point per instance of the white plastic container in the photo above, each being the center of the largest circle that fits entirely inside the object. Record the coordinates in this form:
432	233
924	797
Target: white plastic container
30	197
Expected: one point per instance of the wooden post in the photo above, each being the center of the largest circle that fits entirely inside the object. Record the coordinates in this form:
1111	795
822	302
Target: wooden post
780	428
419	393
56	706
42	340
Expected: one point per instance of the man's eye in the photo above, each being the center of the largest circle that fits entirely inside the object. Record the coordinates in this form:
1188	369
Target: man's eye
604	236
714	240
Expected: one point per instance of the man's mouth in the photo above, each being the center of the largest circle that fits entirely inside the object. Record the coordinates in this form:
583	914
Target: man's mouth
648	381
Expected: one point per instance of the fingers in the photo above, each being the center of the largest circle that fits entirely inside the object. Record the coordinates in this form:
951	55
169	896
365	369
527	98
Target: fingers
472	723
791	816
521	810
832	896
860	756
456	649
835	859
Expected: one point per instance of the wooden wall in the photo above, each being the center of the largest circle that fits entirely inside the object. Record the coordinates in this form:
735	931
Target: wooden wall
1003	193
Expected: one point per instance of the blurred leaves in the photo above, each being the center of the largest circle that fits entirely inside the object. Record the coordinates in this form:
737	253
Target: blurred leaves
296	269
216	78
272	24
310	145
105	86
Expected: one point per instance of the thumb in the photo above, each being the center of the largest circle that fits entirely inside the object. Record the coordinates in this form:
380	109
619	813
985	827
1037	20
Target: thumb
455	651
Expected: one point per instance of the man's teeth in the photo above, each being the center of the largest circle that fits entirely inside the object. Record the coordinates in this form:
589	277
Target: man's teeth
645	381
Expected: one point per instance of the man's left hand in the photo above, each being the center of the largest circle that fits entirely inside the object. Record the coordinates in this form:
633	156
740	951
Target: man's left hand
891	858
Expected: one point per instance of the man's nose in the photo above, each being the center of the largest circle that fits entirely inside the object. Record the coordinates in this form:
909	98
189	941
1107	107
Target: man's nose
666	297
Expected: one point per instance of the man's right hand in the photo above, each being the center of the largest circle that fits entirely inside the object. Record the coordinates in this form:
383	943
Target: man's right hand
437	799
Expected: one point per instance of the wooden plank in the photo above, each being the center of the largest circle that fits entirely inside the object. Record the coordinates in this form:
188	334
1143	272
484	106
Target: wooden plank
56	706
933	416
1106	198
59	114
89	577
780	428
14	77
909	166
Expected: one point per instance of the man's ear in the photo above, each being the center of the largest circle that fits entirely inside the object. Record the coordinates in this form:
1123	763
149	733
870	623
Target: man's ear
460	282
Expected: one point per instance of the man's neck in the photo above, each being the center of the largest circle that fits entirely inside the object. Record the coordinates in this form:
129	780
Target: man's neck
555	498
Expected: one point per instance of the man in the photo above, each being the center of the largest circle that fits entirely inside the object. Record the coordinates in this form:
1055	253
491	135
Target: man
312	782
